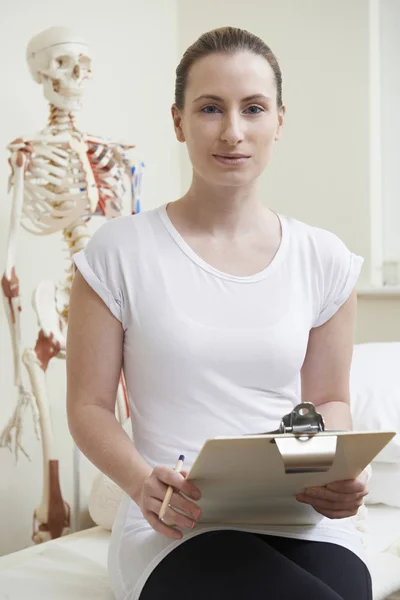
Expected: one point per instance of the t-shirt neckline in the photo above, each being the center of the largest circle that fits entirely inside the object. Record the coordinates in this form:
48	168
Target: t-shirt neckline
184	246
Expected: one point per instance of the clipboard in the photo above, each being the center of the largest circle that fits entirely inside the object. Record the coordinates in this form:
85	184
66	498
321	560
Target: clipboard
253	479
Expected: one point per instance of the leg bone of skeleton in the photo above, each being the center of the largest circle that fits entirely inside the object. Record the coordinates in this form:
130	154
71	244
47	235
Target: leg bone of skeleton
52	514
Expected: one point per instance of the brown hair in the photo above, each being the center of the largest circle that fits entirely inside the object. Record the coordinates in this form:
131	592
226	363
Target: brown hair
226	40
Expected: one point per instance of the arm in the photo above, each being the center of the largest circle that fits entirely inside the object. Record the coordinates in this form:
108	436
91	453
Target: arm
325	377
12	433
10	282
325	374
94	359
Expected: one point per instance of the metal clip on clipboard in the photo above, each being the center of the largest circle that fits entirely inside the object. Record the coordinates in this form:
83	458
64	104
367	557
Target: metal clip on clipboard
305	451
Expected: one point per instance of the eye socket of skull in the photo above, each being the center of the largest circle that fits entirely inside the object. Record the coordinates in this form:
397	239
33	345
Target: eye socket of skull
64	62
85	63
68	62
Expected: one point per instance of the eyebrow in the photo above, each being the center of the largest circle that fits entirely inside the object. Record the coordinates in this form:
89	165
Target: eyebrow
247	99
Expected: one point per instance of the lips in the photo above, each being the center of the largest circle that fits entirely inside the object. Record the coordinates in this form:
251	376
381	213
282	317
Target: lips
232	155
231	160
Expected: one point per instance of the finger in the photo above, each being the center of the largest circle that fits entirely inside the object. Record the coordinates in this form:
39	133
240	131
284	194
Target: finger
189	518
190	508
342	500
162	528
156	490
351	486
321	504
327	494
177	481
180	520
171	517
196	489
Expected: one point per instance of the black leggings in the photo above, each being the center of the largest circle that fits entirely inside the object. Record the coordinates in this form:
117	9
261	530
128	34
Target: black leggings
236	565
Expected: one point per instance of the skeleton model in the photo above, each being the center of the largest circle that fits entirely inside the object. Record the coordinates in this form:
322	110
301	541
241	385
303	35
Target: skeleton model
59	179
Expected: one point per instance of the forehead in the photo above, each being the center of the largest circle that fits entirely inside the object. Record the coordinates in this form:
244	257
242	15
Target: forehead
69	48
239	74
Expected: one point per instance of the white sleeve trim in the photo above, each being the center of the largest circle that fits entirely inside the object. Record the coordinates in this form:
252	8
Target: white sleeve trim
356	262
98	286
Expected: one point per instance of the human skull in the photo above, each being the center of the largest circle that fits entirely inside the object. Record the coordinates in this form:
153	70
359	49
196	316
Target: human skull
60	60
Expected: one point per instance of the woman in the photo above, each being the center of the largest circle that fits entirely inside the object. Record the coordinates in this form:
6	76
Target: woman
215	306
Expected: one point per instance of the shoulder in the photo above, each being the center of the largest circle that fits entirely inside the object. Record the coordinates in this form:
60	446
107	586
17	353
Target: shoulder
121	231
110	235
323	247
114	227
327	265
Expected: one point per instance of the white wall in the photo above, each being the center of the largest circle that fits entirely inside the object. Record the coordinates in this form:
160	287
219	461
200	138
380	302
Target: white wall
320	171
390	100
135	51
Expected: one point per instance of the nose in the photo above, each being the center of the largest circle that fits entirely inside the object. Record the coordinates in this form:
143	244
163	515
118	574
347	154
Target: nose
76	72
232	129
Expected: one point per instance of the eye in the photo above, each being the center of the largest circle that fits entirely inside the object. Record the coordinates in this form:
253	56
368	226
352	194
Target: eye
258	108
211	109
208	112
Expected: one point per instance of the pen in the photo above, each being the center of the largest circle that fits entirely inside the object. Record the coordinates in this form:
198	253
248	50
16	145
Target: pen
169	492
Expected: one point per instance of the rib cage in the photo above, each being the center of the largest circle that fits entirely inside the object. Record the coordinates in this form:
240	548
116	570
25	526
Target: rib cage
54	190
108	165
55	185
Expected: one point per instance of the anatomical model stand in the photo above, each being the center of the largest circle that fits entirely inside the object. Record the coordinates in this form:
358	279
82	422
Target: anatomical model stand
59	179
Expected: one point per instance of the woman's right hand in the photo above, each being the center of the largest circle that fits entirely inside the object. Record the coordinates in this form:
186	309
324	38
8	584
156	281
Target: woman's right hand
152	495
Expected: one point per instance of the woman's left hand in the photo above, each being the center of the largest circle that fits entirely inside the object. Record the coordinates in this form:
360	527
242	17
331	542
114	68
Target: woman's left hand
337	500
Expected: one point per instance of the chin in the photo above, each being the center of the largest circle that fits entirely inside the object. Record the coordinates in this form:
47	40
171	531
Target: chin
235	176
232	180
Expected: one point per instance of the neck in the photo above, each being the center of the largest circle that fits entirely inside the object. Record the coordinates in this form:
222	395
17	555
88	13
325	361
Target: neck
61	119
224	210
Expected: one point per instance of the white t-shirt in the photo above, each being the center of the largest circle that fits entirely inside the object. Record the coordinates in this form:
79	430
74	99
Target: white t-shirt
209	354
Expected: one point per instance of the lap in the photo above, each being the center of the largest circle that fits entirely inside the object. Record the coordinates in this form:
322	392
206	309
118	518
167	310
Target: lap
338	567
238	565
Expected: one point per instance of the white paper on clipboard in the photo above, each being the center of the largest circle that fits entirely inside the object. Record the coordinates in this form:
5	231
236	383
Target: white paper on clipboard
254	479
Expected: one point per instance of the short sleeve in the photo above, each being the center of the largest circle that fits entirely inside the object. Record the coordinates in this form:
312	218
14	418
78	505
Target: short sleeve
98	263
340	269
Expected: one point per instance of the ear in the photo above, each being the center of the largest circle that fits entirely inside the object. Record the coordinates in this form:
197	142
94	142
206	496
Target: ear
281	115
177	118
